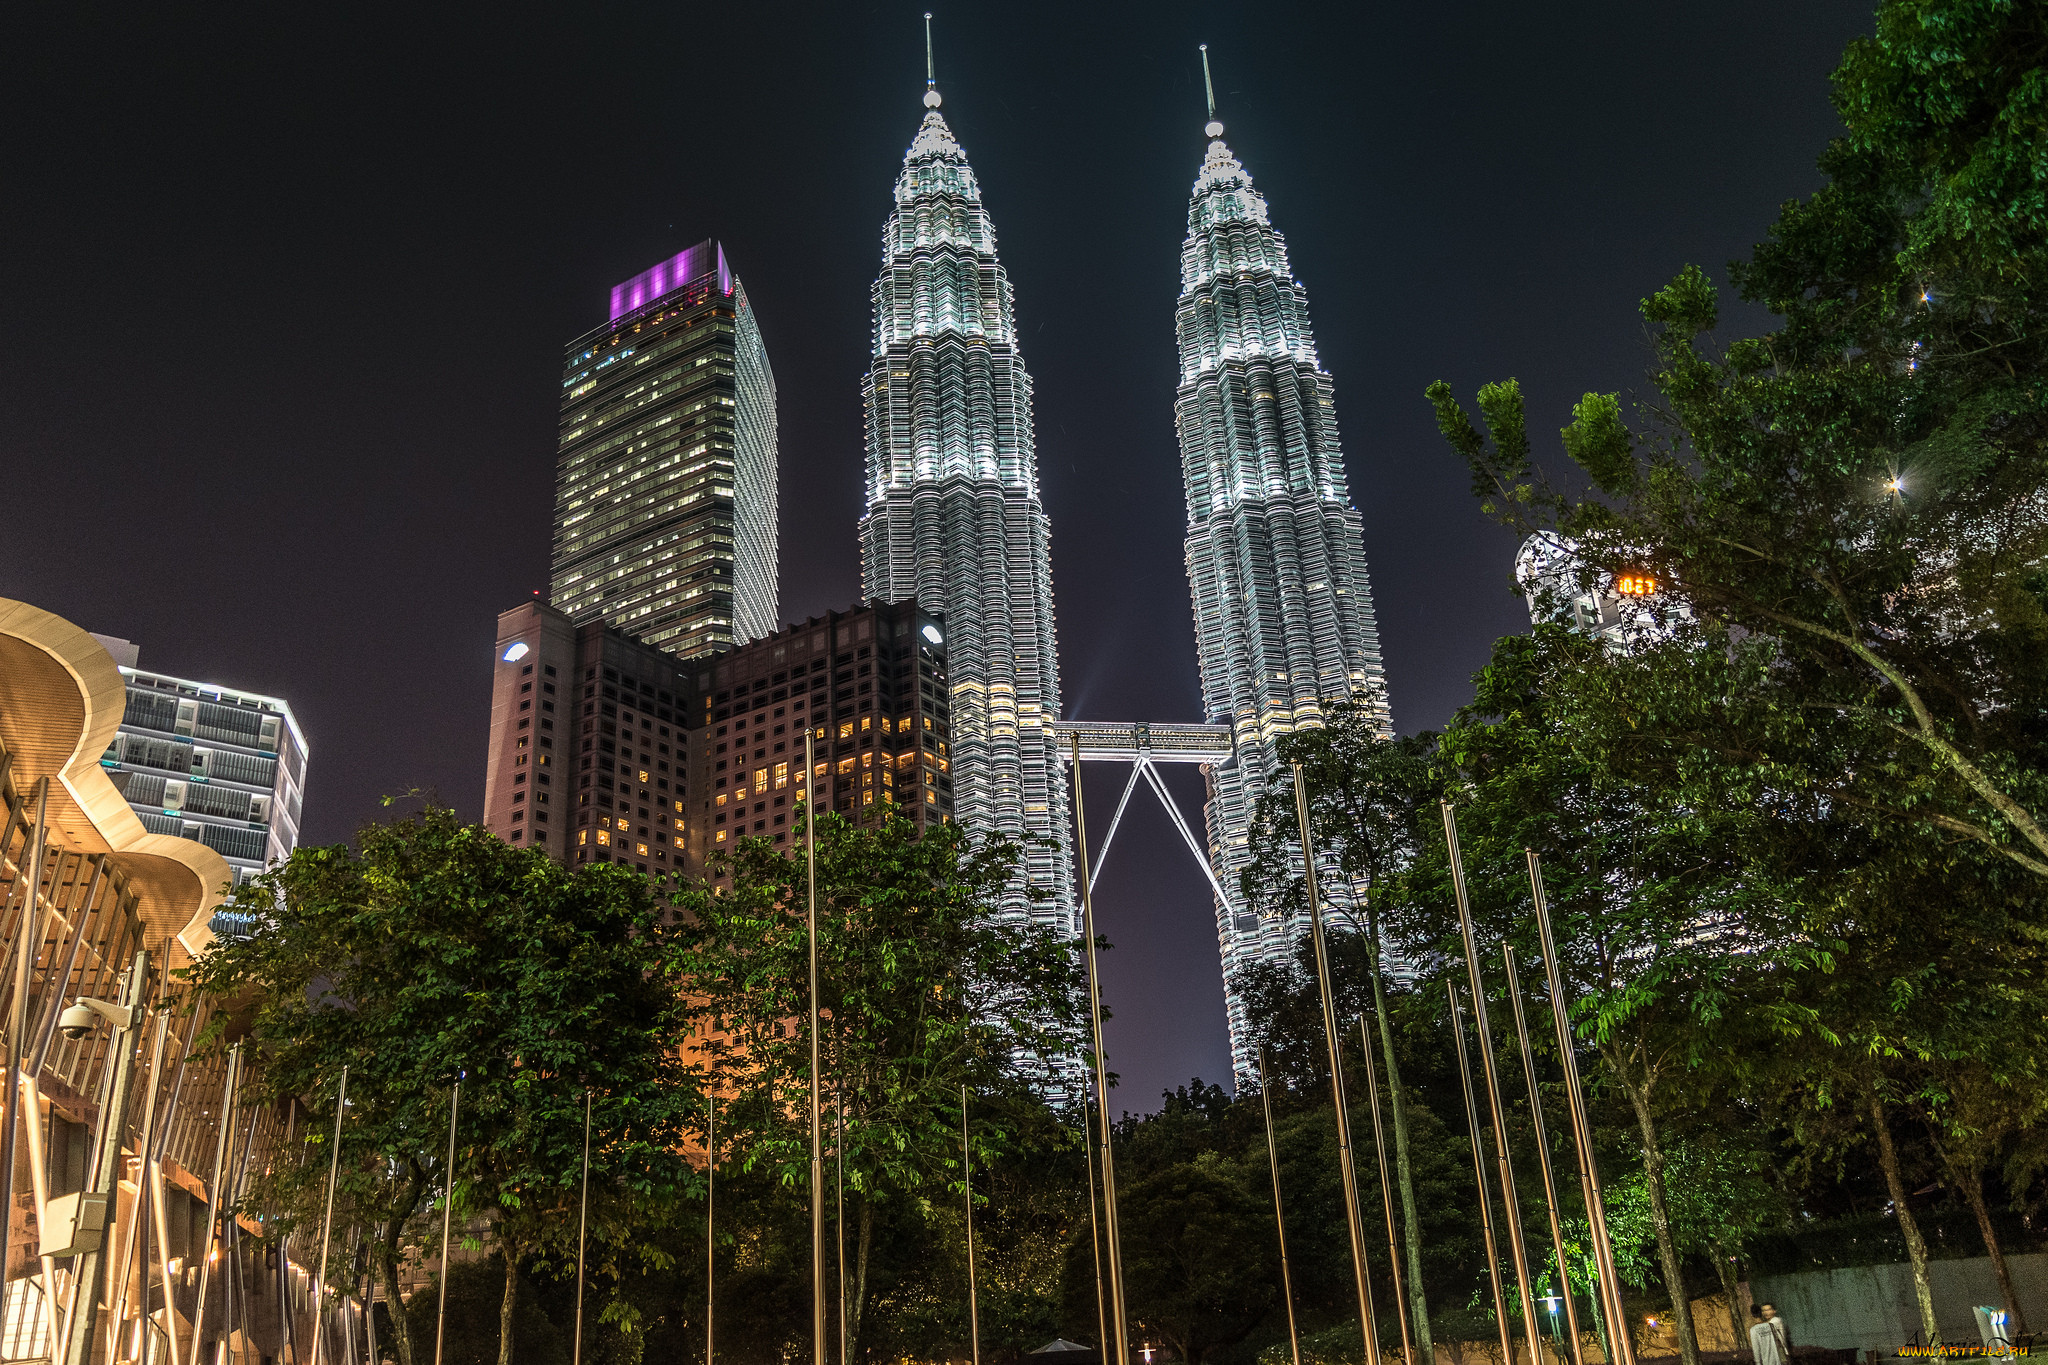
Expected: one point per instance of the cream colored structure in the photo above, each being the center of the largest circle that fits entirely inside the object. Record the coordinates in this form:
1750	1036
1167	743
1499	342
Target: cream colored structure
84	888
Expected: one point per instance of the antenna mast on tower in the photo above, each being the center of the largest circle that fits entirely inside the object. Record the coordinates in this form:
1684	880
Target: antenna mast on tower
1214	129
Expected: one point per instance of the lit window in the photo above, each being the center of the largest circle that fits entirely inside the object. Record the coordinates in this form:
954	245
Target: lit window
903	726
721	798
931	798
604	836
643	774
867	798
640	849
846	730
867	760
866	723
679	824
927	722
721	837
582	836
760	779
782	774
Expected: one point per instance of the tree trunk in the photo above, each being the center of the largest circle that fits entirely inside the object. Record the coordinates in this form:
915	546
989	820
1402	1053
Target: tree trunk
860	1272
1403	1169
1660	1218
1724	1266
511	1300
1916	1246
387	1259
1973	1191
387	1270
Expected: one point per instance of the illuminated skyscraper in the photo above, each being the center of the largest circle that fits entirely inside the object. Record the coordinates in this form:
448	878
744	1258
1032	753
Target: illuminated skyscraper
1283	610
665	484
953	514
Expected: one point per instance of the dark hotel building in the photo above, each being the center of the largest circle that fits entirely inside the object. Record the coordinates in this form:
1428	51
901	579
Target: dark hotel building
665	492
606	749
869	683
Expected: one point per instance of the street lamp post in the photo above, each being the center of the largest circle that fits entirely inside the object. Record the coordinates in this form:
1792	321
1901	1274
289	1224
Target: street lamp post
91	1266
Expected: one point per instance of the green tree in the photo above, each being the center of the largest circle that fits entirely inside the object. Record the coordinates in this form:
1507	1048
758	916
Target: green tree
925	988
1665	920
1364	794
1864	484
1189	1269
433	948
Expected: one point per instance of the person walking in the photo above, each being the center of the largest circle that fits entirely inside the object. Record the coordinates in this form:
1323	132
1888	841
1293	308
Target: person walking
1768	1343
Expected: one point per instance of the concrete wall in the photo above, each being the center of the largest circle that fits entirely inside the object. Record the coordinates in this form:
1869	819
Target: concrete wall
1874	1307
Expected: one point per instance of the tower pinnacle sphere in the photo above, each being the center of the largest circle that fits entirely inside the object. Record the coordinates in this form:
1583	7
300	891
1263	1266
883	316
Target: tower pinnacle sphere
931	98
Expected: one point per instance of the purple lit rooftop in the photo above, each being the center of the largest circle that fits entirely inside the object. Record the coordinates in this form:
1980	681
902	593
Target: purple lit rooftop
701	261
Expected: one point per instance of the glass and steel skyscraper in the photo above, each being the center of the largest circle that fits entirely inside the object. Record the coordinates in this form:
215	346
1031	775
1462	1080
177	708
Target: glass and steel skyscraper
953	514
665	493
1276	560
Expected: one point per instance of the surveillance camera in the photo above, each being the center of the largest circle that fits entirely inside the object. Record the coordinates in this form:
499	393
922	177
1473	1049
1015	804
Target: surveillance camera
77	1021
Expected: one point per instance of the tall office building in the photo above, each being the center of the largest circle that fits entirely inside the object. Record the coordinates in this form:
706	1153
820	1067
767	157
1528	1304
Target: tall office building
665	485
953	514
1276	561
211	763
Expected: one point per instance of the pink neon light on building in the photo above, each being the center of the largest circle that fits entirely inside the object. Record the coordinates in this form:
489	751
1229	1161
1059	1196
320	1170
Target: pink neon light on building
699	262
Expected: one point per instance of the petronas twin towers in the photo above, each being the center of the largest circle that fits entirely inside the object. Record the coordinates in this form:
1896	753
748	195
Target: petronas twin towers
1276	564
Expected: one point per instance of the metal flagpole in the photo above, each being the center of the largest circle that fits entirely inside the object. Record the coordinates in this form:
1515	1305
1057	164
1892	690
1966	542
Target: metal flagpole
1379	1140
1500	1302
1344	1162
1109	1224
1582	1129
711	1226
839	1212
326	1229
817	1127
447	1220
1279	1217
582	1224
967	1184
1095	1238
1571	1314
221	1148
1511	1211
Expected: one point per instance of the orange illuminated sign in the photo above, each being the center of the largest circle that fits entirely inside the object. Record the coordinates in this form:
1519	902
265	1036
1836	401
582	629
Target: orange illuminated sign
1635	585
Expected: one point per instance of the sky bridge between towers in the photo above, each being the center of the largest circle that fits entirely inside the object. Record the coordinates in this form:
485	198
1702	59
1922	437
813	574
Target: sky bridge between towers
1144	745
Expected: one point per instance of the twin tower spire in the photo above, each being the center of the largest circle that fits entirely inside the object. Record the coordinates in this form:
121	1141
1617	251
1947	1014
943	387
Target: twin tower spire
1275	557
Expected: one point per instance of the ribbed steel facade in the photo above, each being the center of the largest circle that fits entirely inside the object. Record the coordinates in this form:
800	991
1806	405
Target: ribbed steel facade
953	514
1276	561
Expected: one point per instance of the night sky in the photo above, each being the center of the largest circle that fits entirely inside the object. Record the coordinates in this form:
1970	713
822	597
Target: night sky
284	293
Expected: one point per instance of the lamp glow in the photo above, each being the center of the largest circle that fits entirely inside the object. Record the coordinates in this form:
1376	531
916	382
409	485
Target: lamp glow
931	632
517	651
